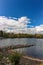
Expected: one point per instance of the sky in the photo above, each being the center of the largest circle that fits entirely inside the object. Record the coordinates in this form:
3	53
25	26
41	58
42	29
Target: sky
21	16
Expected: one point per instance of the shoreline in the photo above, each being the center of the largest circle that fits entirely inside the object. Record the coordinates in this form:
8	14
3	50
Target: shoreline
33	58
28	57
24	58
30	61
15	46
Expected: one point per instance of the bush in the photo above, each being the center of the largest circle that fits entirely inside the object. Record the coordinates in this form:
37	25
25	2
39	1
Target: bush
1	56
15	58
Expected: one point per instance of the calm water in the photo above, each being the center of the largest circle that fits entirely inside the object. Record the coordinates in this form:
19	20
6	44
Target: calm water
35	51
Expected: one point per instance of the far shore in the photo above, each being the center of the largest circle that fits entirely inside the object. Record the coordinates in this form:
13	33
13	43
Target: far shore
3	34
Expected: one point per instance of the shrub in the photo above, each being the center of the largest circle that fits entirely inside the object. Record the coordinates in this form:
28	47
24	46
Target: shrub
1	56
15	58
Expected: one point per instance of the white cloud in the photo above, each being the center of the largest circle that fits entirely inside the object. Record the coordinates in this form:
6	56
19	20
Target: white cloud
31	30
18	25
35	30
39	29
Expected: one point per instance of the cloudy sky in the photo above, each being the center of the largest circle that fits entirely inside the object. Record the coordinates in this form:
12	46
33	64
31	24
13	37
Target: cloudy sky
21	16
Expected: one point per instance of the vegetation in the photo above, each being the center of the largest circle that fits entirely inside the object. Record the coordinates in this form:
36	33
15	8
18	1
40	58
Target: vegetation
1	56
12	35
15	58
12	58
39	35
41	63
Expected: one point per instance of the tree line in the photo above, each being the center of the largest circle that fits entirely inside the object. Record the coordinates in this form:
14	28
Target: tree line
20	35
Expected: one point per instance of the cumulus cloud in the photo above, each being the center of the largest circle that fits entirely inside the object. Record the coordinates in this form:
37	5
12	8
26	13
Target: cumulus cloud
35	30
19	25
12	24
31	30
39	29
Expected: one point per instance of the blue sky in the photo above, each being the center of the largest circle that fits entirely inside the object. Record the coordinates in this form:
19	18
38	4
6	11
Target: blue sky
32	9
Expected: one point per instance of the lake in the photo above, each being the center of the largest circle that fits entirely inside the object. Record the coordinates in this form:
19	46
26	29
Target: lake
34	51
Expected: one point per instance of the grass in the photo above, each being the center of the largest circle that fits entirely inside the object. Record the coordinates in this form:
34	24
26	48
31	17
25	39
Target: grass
15	58
1	56
41	64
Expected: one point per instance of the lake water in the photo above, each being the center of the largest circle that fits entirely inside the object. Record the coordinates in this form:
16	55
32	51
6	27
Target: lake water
34	51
